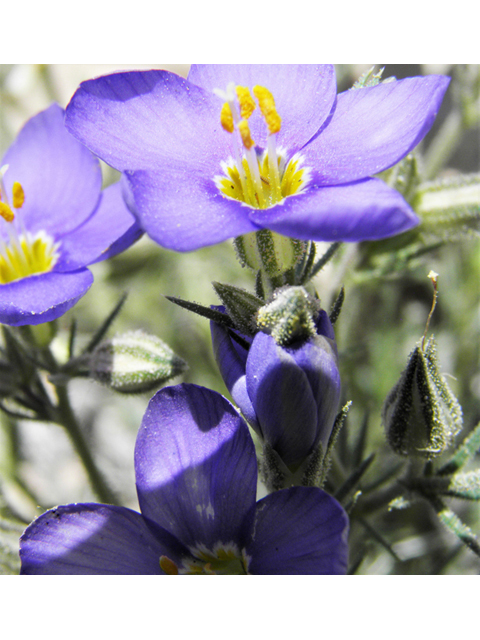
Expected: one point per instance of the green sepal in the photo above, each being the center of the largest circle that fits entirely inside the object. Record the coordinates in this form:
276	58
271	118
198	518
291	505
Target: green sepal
337	426
268	251
404	176
205	312
337	306
351	483
272	469
309	269
241	306
134	362
289	316
369	78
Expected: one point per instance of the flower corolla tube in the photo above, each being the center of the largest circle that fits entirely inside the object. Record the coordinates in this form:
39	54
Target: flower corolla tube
234	149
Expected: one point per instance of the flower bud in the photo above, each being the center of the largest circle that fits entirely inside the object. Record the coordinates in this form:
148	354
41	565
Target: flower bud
134	362
421	415
285	379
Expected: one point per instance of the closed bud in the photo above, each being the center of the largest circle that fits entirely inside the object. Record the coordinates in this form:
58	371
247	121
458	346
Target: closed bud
290	316
285	379
421	415
134	362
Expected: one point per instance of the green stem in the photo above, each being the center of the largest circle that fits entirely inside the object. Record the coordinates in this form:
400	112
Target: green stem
66	418
63	415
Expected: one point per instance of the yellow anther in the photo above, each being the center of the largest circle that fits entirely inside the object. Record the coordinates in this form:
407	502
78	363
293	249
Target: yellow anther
168	566
267	107
18	195
5	212
246	102
244	130
226	118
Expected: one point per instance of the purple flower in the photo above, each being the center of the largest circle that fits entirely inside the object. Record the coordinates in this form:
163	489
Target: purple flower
196	476
54	221
294	157
289	394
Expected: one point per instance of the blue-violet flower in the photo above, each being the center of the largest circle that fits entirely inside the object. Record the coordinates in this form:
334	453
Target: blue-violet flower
289	394
196	475
208	161
54	220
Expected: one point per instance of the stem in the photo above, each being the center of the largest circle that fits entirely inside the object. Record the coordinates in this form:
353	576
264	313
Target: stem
63	415
66	418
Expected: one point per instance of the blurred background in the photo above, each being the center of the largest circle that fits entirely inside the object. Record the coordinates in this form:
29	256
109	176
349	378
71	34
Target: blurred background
381	321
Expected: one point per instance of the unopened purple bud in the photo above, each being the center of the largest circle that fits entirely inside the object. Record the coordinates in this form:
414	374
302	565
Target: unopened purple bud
289	393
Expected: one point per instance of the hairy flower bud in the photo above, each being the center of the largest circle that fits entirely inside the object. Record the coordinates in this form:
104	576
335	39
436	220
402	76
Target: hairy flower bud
420	414
289	390
134	362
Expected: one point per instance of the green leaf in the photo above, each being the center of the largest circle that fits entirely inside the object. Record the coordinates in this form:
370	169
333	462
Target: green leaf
98	337
463	454
352	481
453	523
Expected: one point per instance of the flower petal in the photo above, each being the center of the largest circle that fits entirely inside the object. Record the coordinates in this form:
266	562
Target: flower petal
42	298
366	210
304	95
282	396
301	530
60	177
110	229
375	127
231	359
136	119
95	539
195	466
183	211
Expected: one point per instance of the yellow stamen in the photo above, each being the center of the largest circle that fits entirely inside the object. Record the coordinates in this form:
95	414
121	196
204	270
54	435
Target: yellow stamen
168	566
244	130
247	103
267	107
226	118
18	195
5	212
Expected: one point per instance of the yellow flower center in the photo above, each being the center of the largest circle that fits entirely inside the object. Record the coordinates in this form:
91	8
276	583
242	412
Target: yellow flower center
23	254
259	178
225	559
